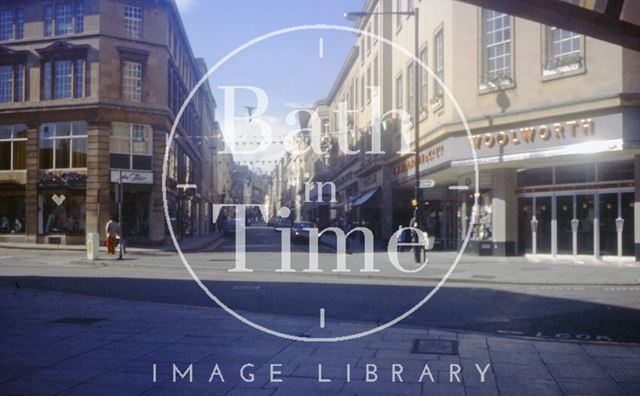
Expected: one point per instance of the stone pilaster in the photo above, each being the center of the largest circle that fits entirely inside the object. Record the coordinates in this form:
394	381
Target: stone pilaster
505	213
31	188
98	178
157	222
386	211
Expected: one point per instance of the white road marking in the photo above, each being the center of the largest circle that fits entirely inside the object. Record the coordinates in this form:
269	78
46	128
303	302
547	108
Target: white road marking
322	318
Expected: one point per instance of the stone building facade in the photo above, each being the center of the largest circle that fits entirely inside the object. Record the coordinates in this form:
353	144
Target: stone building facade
90	90
553	117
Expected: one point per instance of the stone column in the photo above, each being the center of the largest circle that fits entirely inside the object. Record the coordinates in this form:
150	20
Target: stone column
31	188
157	222
505	212
636	208
98	203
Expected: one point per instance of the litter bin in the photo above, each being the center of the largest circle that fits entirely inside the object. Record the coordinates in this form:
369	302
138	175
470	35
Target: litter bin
93	246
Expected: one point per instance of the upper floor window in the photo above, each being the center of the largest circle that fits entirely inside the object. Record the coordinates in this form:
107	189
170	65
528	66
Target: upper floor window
399	98
563	51
133	21
63	79
369	87
438	55
64	18
63	145
11	24
131	146
424	79
496	50
411	81
13	147
132	81
12	85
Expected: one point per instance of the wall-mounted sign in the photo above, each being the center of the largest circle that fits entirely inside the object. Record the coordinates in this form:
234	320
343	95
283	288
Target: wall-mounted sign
559	131
132	177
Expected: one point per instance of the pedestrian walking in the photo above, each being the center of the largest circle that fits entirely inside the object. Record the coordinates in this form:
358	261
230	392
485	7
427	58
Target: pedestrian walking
113	233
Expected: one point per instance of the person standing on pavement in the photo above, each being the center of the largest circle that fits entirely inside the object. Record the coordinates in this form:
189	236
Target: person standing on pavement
113	233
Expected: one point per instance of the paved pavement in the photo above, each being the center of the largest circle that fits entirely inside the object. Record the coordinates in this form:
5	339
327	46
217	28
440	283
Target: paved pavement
189	244
53	343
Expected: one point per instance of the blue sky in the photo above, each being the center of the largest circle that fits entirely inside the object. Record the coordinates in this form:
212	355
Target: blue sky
287	67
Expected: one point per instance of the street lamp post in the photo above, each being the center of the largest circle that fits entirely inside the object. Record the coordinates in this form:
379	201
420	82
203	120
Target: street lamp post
416	105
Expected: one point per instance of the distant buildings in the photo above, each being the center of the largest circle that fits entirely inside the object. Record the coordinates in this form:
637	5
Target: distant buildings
554	117
89	91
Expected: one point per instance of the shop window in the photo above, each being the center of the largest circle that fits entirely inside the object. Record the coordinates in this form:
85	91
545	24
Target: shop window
535	177
583	173
63	216
614	171
480	216
131	146
13	147
12	206
63	145
496	50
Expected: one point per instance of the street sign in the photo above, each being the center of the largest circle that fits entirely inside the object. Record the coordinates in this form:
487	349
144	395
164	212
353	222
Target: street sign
427	183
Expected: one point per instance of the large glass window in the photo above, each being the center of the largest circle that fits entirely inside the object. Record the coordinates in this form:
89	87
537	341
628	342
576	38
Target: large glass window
68	217
575	174
63	145
11	83
79	16
63	79
6	84
12	211
535	177
6	25
64	18
131	146
496	52
132	81
133	21
563	51
615	171
13	147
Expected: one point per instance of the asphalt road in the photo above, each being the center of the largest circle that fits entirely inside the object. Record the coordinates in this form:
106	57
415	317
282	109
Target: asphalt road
594	313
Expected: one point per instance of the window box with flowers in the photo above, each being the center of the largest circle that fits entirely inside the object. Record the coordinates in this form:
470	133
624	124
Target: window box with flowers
495	82
562	65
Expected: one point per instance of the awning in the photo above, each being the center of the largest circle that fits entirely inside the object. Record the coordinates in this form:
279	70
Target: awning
364	197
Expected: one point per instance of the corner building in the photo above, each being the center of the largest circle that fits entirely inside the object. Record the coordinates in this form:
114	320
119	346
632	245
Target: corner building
554	117
89	90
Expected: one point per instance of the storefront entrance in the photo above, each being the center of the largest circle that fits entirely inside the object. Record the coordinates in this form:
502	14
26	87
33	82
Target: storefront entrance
593	216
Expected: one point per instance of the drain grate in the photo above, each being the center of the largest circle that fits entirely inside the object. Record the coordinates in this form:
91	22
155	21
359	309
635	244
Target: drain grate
435	347
78	320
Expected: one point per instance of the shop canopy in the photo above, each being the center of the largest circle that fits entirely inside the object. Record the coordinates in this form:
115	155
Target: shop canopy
365	197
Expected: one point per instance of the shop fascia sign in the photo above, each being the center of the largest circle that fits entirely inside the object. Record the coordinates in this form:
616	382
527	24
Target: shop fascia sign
131	177
531	134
